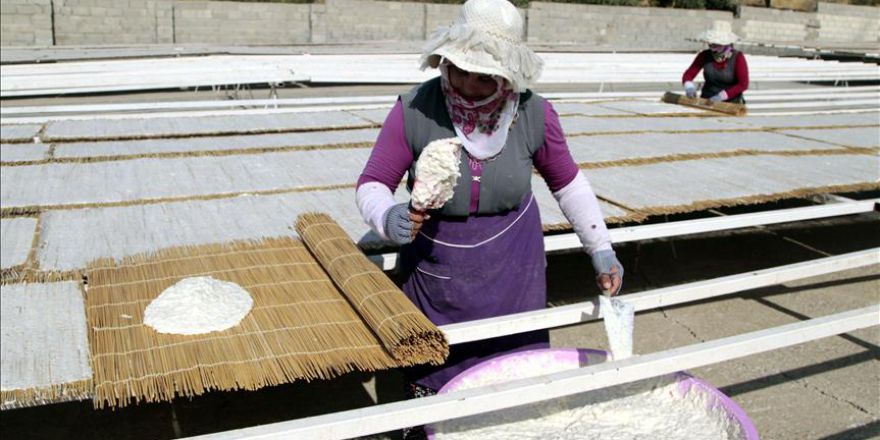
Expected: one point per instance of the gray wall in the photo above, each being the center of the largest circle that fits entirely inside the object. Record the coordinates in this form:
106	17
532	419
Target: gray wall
772	25
353	20
848	23
81	22
618	26
86	22
241	23
26	22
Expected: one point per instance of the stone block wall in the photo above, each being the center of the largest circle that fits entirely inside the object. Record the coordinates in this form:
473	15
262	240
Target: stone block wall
85	22
241	23
775	25
26	22
627	27
338	21
844	23
120	22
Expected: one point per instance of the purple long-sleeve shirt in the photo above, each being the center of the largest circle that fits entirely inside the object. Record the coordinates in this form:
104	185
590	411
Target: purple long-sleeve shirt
392	156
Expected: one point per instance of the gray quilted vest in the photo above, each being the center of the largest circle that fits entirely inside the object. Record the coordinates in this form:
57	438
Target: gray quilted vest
718	79
506	179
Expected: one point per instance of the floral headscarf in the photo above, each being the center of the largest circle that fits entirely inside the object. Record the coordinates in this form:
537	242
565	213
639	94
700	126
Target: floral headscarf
721	52
482	126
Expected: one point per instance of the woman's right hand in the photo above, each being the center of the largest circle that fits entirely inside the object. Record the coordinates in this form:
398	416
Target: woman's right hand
402	224
690	89
418	218
609	271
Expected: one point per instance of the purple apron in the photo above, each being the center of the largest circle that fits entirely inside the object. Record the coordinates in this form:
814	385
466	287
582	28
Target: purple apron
466	268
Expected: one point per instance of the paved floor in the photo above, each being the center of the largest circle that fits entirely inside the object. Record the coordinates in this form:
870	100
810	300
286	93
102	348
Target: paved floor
827	389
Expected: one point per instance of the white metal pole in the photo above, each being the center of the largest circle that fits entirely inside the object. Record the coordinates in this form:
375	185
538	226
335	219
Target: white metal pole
648	300
569	242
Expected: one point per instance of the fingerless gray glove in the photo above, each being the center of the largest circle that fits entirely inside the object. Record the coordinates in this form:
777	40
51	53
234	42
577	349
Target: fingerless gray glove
398	226
604	261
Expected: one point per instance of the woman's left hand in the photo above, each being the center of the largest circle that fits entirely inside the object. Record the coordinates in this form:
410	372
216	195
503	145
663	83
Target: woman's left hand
722	96
609	271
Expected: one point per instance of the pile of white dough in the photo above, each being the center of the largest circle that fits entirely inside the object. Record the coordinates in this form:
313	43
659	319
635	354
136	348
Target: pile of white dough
651	409
198	305
436	173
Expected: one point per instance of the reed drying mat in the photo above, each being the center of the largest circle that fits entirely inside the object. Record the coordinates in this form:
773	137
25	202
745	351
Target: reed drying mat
44	355
321	309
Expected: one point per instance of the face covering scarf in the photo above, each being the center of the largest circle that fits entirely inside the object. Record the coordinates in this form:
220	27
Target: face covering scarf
721	52
482	126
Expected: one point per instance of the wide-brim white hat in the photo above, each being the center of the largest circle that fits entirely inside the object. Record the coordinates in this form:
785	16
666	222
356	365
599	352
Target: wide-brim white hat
719	33
487	38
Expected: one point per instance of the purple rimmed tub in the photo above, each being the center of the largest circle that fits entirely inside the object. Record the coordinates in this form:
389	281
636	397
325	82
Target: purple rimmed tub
560	359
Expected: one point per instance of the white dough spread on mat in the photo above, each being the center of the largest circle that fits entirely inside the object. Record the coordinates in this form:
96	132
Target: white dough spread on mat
198	305
651	409
436	174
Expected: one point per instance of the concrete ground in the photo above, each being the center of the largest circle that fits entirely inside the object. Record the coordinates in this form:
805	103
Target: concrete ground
827	389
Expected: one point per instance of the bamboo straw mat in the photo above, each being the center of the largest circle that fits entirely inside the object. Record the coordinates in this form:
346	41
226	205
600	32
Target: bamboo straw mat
302	325
44	356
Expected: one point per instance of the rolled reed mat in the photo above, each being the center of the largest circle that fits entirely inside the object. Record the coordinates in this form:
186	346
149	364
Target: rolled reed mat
705	104
403	329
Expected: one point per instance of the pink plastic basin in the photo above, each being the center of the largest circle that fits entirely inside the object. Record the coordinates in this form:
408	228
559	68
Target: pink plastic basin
579	357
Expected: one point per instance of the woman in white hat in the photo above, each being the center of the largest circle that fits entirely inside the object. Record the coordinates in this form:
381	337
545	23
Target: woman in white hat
724	68
482	253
